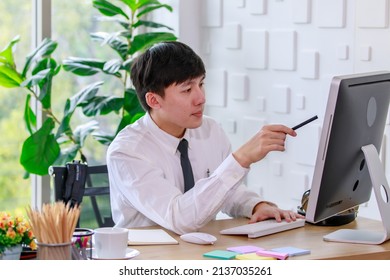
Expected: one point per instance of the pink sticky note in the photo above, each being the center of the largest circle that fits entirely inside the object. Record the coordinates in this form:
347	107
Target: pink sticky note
245	249
278	255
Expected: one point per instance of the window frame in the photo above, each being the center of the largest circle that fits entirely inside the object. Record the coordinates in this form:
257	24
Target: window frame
41	28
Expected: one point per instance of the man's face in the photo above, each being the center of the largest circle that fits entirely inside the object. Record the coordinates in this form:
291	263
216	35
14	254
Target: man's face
181	108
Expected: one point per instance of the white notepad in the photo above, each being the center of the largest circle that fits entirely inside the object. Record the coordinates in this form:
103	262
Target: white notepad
150	237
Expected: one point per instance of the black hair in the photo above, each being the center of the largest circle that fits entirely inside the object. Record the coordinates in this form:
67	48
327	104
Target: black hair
162	65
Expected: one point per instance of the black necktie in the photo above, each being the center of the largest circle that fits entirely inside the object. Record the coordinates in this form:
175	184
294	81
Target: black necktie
186	165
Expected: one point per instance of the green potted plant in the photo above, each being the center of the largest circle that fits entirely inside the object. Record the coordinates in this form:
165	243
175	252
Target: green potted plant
56	141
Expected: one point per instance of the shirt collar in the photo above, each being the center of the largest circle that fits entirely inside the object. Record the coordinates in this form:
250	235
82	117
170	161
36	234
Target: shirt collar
167	140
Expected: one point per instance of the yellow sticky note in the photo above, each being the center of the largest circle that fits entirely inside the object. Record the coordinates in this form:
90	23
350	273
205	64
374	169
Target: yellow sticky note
253	256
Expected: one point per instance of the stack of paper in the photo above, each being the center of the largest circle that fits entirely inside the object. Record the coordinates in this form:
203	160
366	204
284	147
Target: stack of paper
150	237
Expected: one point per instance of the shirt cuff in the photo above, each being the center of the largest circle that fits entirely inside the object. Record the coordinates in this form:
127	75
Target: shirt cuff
230	171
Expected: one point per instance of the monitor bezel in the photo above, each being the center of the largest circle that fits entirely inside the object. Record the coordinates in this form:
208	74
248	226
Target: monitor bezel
332	118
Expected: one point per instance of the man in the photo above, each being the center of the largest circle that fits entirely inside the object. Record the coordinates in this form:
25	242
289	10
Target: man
144	163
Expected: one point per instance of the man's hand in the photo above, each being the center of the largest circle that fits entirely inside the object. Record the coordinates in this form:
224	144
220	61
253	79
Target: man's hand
266	210
269	138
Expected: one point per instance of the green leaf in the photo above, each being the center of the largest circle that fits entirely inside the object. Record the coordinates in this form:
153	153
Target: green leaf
45	63
132	105
144	3
102	105
45	84
40	150
104	139
143	41
150	9
64	128
82	96
113	41
82	131
112	66
6	55
126	120
108	9
30	119
45	91
127	63
133	109
67	155
123	22
125	34
83	66
150	24
132	4
136	117
46	48
36	79
9	77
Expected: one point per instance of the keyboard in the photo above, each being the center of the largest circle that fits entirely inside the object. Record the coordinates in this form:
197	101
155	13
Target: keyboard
263	228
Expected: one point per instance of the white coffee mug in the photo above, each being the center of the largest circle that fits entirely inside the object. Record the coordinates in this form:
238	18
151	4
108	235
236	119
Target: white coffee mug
111	242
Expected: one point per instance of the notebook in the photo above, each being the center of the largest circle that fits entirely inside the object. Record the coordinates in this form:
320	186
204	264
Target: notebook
150	237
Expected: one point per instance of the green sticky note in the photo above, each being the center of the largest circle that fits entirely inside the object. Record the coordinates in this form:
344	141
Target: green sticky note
220	254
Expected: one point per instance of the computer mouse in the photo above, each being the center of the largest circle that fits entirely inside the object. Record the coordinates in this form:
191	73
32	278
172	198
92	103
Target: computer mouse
198	238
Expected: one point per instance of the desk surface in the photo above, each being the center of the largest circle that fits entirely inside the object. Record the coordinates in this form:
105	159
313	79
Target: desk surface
307	237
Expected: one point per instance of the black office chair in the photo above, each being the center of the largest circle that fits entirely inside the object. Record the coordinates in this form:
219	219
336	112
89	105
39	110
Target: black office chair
95	205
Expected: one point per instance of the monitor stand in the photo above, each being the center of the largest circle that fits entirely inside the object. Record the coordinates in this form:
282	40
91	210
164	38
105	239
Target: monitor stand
379	183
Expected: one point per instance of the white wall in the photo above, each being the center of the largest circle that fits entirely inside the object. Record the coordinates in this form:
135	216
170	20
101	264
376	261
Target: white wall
271	61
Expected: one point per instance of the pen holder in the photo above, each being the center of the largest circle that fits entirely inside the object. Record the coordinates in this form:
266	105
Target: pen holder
82	244
60	251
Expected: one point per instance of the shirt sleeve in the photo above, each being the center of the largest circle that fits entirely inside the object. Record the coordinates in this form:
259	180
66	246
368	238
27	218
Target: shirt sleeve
141	184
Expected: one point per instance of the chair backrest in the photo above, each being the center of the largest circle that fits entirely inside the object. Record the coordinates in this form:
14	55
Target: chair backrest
95	206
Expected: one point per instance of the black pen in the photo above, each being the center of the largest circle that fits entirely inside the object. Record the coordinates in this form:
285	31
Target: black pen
304	123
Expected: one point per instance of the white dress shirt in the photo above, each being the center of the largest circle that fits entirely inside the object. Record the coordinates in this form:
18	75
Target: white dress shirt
146	180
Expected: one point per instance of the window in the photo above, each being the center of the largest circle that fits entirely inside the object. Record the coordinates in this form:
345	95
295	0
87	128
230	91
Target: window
15	192
71	26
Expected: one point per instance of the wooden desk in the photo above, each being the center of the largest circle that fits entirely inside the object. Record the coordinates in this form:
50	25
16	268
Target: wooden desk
307	237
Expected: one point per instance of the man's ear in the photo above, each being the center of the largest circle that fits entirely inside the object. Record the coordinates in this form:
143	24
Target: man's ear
152	99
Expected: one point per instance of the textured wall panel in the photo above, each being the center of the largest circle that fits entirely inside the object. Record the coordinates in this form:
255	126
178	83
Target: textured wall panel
372	13
260	103
365	53
232	35
300	102
309	64
277	168
238	86
251	126
343	52
301	11
331	13
305	145
281	99
211	13
230	125
279	46
255	47
283	49
216	90
240	3
257	7
300	181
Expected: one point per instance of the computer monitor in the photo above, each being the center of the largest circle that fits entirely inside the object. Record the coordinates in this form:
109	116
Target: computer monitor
348	164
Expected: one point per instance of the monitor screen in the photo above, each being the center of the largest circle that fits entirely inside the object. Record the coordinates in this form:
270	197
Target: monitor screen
355	117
